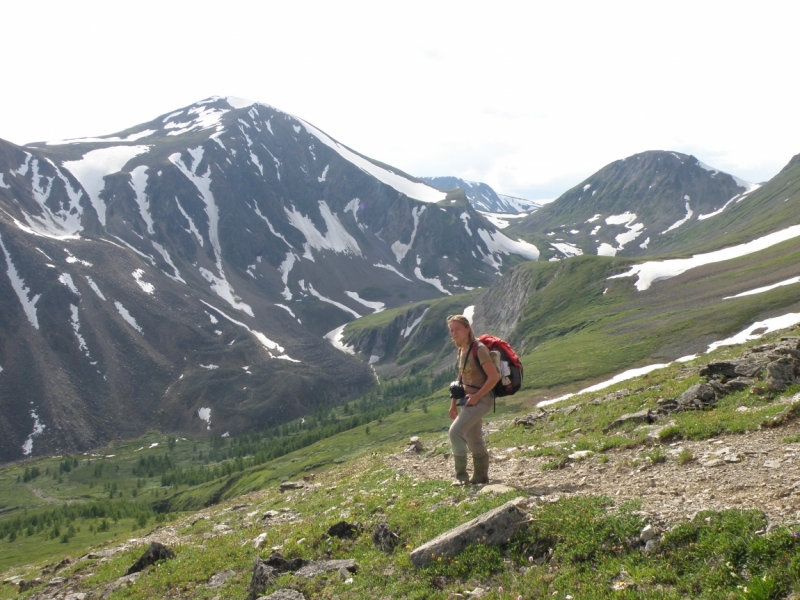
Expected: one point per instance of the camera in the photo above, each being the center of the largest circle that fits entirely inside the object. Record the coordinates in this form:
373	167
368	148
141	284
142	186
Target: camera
457	392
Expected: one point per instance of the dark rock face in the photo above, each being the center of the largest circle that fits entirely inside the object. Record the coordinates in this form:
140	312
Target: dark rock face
263	576
152	555
343	530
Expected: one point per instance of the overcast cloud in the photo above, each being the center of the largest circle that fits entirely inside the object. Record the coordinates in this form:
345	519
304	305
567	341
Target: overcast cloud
530	97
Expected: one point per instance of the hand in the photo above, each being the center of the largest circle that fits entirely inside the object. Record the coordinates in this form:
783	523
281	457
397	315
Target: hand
453	412
471	400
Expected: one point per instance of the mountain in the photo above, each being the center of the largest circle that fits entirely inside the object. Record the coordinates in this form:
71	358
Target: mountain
633	207
181	274
482	196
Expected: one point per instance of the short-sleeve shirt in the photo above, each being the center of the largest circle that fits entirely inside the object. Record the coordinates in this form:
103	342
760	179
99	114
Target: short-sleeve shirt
472	376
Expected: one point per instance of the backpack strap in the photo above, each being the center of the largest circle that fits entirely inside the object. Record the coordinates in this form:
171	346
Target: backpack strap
466	357
480	366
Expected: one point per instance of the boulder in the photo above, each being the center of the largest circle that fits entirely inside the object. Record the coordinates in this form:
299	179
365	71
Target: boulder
780	374
491	528
642	416
343	530
263	575
384	538
730	369
281	565
152	555
292	485
698	396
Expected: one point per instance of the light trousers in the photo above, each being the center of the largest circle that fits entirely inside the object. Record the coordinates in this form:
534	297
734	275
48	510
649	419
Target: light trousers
466	431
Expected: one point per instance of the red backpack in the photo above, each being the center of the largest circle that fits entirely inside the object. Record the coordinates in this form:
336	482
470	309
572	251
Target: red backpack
510	366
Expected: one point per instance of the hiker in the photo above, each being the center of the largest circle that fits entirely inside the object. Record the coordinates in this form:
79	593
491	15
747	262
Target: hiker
478	375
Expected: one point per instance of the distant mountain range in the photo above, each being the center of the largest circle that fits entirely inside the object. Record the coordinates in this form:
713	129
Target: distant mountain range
182	274
482	196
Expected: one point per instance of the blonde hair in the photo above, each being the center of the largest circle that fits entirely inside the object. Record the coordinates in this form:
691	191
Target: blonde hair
465	322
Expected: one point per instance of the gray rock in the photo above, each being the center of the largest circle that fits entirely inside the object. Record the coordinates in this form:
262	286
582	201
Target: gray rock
491	528
151	556
642	416
715	462
292	485
314	568
384	538
284	594
651	546
531	418
780	374
127	580
219	579
648	533
772	464
343	573
698	396
730	369
263	575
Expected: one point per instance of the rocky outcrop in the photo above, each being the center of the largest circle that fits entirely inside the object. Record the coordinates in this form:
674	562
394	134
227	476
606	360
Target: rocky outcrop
762	369
152	555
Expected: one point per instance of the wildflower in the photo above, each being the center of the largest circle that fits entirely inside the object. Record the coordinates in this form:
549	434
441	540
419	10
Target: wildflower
500	590
530	559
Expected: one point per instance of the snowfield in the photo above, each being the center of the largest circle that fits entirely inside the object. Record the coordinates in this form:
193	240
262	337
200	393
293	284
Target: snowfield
649	272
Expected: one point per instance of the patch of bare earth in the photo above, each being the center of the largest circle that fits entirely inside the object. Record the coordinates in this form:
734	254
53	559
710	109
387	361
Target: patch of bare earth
752	471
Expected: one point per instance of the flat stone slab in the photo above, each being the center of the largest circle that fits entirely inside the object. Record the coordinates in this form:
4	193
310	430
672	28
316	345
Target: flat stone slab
318	567
284	594
491	528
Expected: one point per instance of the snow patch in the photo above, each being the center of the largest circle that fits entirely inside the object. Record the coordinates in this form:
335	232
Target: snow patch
139	183
21	289
399	248
94	287
605	249
375	306
147	288
567	249
412	189
165	255
434	281
209	367
38	428
650	272
192	229
322	177
329	301
757	329
106	140
465	218
127	316
336	237
91	169
392	269
498	242
76	327
413	325
265	341
335	338
624	376
285	269
66	279
766	288
469	312
205	415
682	221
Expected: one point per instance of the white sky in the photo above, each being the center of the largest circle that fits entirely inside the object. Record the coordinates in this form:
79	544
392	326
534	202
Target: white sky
530	97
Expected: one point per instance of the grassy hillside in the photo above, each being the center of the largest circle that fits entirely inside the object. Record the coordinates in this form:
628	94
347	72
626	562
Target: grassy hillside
582	545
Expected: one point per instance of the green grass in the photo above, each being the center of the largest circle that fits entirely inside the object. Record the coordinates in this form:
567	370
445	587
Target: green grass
577	546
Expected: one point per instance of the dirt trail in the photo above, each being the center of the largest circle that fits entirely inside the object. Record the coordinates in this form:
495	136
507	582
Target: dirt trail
752	471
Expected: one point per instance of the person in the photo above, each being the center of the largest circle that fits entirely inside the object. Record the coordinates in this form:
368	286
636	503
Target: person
478	378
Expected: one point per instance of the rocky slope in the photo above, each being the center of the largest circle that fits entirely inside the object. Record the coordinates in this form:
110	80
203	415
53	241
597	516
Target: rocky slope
633	206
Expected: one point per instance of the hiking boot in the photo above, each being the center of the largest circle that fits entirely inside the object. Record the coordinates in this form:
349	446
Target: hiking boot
462	477
480	469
